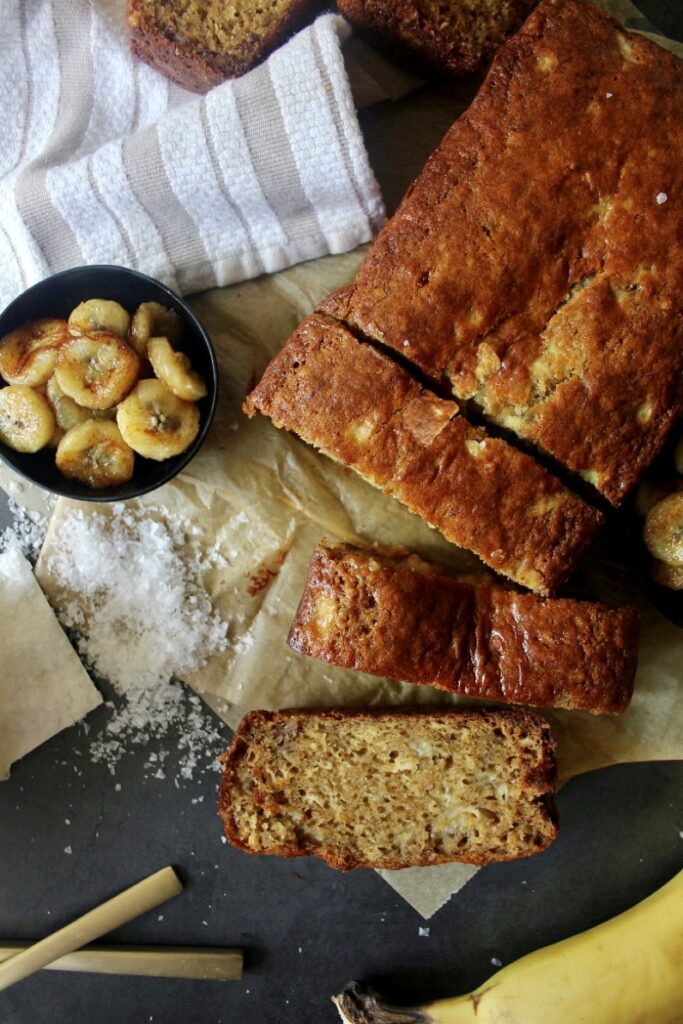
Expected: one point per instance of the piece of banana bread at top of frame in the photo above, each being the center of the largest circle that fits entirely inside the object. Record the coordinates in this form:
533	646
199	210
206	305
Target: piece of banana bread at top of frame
537	261
439	39
391	789
391	614
357	405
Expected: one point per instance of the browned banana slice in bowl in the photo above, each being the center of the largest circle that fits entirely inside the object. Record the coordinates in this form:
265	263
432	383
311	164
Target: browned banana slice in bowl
95	454
155	422
174	369
97	370
100	315
28	354
151	319
26	419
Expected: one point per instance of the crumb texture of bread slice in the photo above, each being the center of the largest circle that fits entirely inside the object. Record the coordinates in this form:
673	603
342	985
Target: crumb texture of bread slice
391	789
361	408
537	261
200	43
392	615
440	39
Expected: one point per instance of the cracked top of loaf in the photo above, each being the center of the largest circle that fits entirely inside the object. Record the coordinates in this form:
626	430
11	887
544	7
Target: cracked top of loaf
537	261
359	406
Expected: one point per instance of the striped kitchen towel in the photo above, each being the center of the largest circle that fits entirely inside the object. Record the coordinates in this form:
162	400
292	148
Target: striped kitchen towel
104	161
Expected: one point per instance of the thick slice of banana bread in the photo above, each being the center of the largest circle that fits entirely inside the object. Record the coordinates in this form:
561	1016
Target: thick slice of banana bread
200	43
537	261
391	789
357	405
391	614
440	39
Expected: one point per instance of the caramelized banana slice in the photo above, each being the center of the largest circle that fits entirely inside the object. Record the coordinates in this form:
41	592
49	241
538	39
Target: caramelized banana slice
100	315
97	369
174	370
28	354
155	422
151	319
68	413
670	576
663	531
26	419
95	453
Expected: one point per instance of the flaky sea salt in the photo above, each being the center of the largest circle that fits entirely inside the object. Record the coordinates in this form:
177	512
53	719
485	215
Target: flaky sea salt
26	531
661	197
141	617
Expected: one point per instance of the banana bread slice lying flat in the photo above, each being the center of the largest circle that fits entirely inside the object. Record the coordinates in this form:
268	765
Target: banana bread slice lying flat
360	407
391	614
391	789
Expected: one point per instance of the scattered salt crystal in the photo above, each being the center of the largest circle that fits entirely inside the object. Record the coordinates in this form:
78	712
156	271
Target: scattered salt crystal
142	619
160	917
424	932
224	840
26	531
67	849
67	821
117	787
496	962
680	835
609	95
662	197
300	949
205	923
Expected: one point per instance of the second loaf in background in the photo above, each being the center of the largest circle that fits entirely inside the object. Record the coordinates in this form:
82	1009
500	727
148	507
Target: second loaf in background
391	614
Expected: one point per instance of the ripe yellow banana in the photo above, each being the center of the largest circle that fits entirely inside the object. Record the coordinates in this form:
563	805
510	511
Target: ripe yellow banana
663	531
28	354
174	369
152	319
628	970
100	315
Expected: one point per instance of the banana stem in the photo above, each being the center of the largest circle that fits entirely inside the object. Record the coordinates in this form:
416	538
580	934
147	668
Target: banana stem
359	1005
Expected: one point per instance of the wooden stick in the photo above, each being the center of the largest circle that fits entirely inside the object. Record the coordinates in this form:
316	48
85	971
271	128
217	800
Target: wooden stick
208	963
137	900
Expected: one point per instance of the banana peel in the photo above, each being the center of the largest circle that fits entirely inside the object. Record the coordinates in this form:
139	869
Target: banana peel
628	970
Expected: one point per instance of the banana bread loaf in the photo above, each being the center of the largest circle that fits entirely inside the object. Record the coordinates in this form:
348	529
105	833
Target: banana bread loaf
442	40
390	789
357	405
391	614
200	43
537	261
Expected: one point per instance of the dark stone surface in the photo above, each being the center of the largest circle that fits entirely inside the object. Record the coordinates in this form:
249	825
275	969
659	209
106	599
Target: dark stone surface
306	930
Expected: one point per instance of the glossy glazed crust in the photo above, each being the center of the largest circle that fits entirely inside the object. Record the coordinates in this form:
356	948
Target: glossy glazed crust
192	66
537	261
540	780
357	405
408	34
382	614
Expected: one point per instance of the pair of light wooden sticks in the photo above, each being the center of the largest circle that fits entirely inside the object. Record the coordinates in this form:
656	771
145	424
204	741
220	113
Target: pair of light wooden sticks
63	950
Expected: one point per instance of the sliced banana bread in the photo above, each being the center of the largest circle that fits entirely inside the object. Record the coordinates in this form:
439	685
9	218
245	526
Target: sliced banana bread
200	43
390	789
359	406
391	614
440	38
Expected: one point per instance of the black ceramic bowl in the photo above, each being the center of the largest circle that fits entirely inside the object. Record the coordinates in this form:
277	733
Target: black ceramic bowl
56	296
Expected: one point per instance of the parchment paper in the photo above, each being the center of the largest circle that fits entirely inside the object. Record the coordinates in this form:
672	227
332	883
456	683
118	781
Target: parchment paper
43	686
265	499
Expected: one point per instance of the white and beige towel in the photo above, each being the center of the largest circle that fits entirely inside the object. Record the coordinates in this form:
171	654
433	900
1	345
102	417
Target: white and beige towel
104	161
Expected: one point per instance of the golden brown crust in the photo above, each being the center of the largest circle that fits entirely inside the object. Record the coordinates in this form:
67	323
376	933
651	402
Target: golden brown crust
357	405
195	65
377	613
527	736
446	46
537	260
